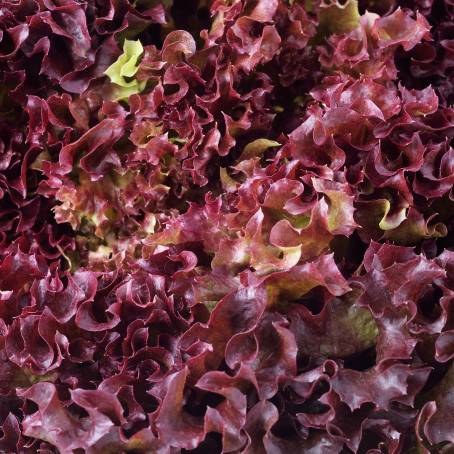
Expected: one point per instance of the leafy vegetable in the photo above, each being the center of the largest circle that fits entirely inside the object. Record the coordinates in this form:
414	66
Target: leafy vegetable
233	235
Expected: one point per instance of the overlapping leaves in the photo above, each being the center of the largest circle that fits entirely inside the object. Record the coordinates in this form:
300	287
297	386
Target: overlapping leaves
234	235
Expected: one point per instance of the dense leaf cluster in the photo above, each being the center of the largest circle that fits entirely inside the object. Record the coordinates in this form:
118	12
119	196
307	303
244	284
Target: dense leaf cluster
226	226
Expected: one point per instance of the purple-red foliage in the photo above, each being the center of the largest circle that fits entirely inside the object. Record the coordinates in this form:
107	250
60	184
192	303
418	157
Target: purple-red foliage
252	251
